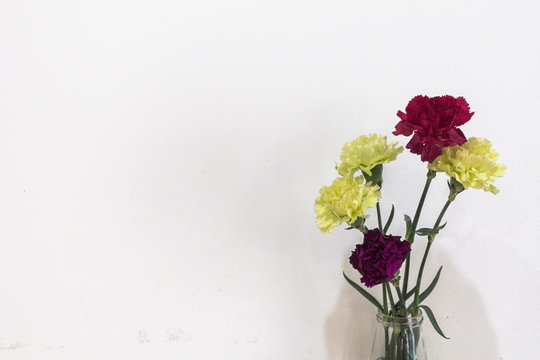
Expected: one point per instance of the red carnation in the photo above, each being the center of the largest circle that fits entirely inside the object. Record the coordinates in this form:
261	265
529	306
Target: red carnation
434	122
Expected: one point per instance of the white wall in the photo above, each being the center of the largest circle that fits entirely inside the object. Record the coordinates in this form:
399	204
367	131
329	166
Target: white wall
160	160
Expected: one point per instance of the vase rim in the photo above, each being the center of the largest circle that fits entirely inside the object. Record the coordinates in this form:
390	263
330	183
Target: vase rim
390	320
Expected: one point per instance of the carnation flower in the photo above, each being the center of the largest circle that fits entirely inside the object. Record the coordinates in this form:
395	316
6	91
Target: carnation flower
345	200
473	164
379	257
365	152
434	122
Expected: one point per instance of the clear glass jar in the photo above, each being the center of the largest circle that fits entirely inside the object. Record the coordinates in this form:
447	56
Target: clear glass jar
398	338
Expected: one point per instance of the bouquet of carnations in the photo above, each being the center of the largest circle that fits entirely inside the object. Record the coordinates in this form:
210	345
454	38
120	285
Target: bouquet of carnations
434	125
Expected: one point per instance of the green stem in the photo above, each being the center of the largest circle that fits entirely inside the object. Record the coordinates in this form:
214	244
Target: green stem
426	252
410	236
414	311
385	300
398	341
402	300
379	218
386	347
430	176
395	328
385	311
392	345
406	275
391	298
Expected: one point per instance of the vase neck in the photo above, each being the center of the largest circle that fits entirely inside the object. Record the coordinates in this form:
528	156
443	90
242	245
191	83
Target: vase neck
410	321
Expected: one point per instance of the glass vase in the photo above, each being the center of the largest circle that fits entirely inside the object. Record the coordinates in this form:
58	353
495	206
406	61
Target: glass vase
398	338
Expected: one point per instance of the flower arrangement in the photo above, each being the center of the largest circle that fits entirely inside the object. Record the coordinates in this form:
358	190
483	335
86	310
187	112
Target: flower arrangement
434	125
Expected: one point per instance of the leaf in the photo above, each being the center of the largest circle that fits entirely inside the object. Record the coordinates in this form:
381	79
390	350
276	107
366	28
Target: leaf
389	221
426	231
410	293
430	233
430	288
367	295
357	224
408	222
431	318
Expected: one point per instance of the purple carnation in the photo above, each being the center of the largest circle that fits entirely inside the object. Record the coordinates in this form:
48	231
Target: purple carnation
379	257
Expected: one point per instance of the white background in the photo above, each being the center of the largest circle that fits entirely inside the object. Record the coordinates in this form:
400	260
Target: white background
159	161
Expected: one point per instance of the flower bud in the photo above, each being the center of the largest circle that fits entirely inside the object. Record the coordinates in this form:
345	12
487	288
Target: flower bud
376	175
455	188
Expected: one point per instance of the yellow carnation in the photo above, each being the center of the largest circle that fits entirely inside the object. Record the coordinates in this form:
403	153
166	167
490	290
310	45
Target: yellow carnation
473	164
345	200
366	152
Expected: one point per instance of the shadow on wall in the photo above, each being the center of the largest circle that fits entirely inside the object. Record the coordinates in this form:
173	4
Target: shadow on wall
458	307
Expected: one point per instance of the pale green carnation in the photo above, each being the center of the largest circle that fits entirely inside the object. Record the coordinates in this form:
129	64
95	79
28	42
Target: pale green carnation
344	201
473	164
366	152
